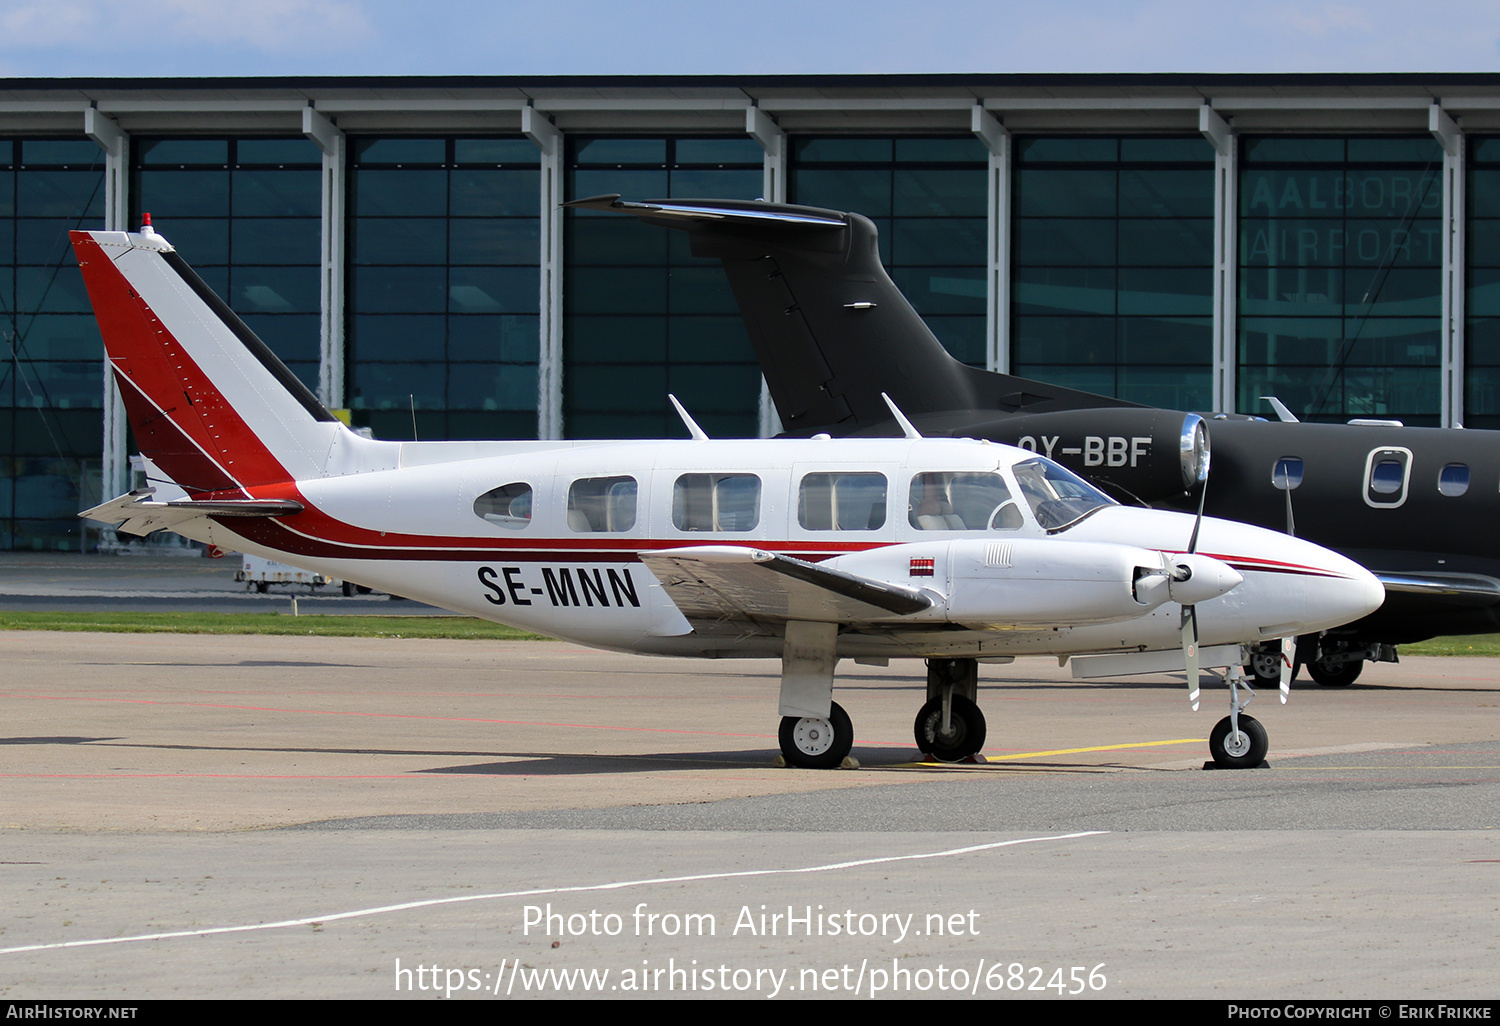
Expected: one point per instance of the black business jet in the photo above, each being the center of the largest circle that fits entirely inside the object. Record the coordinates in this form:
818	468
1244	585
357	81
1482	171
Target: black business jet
1418	506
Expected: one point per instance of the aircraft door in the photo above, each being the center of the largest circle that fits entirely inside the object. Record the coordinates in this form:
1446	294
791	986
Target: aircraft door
1387	475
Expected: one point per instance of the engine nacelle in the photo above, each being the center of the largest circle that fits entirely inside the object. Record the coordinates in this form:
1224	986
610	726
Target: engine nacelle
1031	582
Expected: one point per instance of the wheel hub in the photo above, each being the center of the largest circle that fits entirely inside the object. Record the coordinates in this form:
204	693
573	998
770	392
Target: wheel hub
1237	743
813	736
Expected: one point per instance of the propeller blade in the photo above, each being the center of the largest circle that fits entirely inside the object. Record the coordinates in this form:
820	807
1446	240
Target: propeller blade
1190	651
1197	523
1288	670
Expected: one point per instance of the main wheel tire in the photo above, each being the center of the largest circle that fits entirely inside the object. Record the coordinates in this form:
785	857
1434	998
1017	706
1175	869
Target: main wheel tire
1335	675
1265	666
1243	751
812	742
966	737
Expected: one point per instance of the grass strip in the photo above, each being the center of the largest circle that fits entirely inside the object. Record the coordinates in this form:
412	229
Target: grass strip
457	627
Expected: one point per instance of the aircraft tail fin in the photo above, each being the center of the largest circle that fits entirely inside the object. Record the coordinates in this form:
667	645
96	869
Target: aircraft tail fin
829	326
208	402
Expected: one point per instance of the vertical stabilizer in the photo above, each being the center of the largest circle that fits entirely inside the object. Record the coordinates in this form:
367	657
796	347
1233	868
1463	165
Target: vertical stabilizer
208	402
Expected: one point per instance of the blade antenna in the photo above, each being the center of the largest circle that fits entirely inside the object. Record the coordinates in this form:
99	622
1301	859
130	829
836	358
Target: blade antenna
907	430
692	425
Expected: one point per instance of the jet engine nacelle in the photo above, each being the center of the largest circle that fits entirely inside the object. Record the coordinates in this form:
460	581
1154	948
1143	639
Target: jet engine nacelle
1035	582
1146	454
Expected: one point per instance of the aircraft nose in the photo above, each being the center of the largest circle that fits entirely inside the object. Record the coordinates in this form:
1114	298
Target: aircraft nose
1353	594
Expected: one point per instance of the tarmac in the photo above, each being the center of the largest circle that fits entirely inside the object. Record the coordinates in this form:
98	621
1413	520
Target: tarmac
209	816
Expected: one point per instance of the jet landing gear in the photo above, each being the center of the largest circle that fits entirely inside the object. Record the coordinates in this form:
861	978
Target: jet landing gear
950	727
1238	741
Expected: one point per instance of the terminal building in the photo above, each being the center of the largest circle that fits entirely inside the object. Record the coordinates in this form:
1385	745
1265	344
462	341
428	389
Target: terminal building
1188	241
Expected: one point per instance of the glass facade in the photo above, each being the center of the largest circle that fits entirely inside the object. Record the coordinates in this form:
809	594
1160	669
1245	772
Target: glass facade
1337	240
247	215
927	197
51	385
1340	272
1482	299
443	287
1112	266
642	317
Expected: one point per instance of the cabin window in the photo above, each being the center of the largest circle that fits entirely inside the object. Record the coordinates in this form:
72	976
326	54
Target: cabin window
962	502
601	504
842	502
508	506
1287	474
716	502
1454	479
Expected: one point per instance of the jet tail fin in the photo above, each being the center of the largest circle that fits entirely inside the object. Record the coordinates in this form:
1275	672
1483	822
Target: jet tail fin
209	403
829	326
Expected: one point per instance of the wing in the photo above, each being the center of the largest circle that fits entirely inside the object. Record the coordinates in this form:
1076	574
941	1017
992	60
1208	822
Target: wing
715	583
136	514
1455	589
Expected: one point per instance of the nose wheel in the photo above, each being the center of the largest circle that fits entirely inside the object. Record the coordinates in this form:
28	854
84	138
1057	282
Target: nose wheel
1238	741
1243	748
815	742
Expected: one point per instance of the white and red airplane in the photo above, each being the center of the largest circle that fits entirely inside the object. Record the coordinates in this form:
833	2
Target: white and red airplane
807	550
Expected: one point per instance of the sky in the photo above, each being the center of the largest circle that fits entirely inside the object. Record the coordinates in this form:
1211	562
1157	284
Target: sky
88	38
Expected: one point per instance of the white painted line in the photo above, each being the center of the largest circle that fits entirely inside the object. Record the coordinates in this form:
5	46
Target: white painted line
617	885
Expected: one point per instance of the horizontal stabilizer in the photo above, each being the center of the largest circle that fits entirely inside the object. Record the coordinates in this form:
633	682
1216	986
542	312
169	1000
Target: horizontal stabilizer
741	583
136	514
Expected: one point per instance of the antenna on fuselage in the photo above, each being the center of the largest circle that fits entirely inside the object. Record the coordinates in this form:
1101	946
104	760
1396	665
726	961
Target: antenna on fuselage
906	426
692	425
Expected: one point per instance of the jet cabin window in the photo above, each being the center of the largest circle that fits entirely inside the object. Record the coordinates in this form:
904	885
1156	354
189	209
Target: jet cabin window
716	502
602	504
842	502
1057	496
508	506
962	502
1454	479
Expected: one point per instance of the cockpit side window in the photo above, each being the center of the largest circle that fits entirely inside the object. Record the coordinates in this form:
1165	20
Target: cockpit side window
602	504
1058	497
842	502
508	506
952	501
716	502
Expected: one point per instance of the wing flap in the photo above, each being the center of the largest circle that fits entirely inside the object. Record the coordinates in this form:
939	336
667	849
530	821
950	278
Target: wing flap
720	582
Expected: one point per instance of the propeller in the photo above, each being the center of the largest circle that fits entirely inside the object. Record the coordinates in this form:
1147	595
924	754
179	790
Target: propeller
1181	574
1285	476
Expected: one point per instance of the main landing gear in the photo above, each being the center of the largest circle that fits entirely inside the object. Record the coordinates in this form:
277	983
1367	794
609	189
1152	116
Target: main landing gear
1238	741
950	727
816	742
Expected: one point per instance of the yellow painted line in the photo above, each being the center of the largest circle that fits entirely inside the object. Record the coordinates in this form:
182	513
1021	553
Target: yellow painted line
1098	748
1058	751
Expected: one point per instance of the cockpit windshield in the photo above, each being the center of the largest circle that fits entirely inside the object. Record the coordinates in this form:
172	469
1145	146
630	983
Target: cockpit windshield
1058	497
